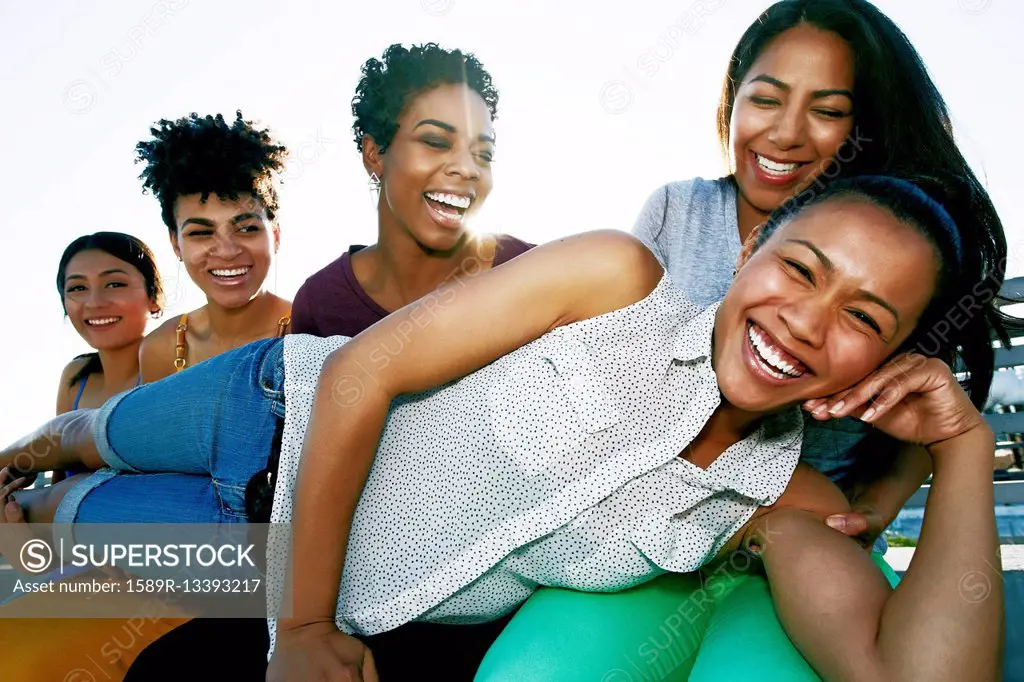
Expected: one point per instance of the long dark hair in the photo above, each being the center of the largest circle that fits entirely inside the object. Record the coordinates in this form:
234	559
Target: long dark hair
901	128
123	247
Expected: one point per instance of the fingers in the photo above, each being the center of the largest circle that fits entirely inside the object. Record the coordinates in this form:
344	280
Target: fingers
9	486
851	524
13	513
369	667
878	392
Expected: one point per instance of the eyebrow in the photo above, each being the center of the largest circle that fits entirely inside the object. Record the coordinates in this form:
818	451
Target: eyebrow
112	271
447	127
206	222
830	266
817	94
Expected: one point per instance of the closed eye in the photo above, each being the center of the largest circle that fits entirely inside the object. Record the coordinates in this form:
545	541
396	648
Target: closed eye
866	319
800	268
436	142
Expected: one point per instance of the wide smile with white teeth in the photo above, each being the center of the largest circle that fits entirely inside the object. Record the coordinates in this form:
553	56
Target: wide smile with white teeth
233	272
102	321
457	201
775	361
774	167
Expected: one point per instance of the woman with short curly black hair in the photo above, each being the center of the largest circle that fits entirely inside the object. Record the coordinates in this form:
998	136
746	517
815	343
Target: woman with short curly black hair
215	182
423	118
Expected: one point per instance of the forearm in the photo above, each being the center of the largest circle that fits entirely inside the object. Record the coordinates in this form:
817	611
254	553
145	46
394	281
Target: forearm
63	441
341	442
888	494
943	621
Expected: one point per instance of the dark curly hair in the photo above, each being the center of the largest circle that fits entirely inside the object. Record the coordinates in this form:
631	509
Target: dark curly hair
206	155
387	86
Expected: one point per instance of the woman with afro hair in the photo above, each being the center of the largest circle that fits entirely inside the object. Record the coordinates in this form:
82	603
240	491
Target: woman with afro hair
216	187
423	126
423	119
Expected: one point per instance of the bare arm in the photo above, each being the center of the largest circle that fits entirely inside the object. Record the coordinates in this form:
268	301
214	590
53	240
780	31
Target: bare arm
64	441
156	353
446	335
876	504
945	619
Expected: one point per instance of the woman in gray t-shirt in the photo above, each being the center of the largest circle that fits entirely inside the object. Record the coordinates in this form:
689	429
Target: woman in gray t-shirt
797	110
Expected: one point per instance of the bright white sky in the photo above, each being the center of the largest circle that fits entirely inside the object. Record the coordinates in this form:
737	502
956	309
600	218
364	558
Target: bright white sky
585	129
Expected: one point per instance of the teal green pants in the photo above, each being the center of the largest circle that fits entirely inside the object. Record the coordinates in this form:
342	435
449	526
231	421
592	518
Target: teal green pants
677	627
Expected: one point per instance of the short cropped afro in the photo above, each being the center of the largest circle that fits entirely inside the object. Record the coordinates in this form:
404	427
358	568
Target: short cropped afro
206	155
387	86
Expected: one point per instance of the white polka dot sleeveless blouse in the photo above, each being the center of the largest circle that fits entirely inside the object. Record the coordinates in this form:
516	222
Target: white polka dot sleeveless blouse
556	464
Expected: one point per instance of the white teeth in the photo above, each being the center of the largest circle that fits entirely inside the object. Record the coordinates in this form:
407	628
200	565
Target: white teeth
230	273
100	321
453	200
776	167
771	356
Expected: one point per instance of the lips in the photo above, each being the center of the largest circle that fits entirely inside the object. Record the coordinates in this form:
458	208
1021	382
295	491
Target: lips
772	357
447	209
102	322
775	171
230	276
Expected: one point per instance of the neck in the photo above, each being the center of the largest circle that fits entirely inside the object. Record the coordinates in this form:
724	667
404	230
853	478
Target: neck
120	365
729	424
239	322
748	217
403	266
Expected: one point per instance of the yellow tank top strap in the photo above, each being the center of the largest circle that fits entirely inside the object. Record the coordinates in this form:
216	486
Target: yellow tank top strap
180	347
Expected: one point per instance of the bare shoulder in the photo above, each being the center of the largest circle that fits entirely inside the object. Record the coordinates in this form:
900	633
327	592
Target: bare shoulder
156	354
810	490
607	269
65	392
613	253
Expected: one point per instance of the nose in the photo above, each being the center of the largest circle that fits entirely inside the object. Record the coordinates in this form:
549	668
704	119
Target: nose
225	245
789	129
95	298
463	163
806	319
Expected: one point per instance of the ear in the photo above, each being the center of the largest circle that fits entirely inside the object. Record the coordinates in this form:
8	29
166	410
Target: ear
276	229
373	159
748	247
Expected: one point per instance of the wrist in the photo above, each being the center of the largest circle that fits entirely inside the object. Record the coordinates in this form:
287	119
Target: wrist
974	446
286	626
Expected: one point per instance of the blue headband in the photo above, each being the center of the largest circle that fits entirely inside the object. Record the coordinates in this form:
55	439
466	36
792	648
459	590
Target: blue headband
922	199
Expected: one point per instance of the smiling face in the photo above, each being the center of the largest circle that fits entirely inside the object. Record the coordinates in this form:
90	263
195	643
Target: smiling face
436	172
792	113
227	246
106	300
825	301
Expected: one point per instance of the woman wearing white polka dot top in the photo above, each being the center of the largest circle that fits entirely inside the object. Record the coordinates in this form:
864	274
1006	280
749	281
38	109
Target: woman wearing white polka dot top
606	431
